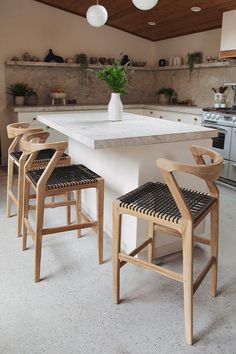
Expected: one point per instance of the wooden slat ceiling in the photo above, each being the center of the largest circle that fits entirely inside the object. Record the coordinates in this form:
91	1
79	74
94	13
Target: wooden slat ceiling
173	17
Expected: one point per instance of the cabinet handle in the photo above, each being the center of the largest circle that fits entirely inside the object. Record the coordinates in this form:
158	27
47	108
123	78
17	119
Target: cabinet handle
48	127
161	117
151	112
179	120
195	119
34	118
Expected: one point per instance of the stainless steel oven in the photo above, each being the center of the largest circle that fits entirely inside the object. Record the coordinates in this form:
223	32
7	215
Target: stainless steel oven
225	142
222	142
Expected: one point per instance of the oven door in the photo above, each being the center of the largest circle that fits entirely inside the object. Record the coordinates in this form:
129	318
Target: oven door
221	143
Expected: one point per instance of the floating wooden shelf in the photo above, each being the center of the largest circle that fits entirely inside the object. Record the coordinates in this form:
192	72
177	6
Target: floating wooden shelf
67	65
228	63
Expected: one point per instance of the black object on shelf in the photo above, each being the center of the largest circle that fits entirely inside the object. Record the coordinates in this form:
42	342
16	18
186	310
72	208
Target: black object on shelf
125	60
31	98
51	57
162	62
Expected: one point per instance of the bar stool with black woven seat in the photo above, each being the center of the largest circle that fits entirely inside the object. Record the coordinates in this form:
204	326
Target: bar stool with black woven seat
56	180
16	131
176	210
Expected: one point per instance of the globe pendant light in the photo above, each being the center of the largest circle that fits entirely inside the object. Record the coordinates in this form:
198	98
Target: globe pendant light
97	15
145	4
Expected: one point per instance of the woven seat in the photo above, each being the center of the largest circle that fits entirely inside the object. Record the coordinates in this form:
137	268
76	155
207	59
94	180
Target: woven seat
166	208
155	199
43	156
57	180
15	157
65	176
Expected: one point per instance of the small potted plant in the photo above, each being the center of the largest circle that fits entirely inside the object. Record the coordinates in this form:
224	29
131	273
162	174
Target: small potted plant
18	90
165	95
194	58
116	78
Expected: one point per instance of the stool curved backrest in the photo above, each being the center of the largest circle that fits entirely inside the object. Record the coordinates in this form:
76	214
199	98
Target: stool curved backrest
208	172
30	147
17	130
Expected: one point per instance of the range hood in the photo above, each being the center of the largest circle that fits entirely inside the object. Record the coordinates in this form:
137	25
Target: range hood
228	35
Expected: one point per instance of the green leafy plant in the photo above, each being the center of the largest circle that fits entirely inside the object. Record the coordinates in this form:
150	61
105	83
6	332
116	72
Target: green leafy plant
194	58
115	76
165	91
18	89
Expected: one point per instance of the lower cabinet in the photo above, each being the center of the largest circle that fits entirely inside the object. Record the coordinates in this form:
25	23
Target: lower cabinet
186	118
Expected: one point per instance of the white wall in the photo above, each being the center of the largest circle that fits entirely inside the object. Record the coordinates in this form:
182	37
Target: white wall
207	42
26	25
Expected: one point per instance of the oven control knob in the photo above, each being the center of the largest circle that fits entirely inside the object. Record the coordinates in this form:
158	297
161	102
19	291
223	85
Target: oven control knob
217	117
212	115
208	115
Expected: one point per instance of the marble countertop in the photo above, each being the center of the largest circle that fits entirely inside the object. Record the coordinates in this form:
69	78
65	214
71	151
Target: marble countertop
82	107
95	131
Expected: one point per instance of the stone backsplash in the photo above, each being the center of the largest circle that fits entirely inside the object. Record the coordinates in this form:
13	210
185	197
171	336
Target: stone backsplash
197	86
88	89
85	88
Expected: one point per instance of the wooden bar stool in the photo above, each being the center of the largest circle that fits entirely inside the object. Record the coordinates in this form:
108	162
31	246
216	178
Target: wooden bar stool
178	210
56	180
15	157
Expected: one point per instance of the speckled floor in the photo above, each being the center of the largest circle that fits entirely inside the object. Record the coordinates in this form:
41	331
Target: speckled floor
71	310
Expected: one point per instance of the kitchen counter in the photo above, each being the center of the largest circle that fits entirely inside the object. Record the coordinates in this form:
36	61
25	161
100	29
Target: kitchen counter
50	108
95	131
125	154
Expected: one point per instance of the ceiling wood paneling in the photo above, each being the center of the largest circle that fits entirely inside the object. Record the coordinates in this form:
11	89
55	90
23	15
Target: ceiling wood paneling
173	17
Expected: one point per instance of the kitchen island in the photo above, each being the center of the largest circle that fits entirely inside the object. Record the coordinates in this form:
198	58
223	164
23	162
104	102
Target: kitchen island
125	154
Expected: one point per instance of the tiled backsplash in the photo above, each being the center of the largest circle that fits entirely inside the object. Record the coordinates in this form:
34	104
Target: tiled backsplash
144	84
44	79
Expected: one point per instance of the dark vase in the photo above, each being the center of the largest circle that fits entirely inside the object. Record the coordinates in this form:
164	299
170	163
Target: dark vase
51	57
31	98
125	60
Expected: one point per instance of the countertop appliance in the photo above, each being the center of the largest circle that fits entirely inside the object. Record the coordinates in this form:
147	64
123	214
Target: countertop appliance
225	121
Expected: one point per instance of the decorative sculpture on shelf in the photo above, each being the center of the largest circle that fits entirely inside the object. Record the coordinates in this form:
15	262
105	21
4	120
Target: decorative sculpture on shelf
51	57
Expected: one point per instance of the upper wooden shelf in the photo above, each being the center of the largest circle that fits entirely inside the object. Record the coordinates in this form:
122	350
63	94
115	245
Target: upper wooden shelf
67	65
227	63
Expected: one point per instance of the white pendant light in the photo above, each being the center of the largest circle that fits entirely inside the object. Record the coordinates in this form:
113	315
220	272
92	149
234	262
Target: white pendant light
145	4
97	15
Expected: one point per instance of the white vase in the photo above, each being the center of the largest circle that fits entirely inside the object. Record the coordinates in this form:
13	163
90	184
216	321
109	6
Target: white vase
115	108
19	100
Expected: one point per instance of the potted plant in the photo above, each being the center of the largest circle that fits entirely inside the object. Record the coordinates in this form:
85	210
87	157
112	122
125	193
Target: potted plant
194	58
18	90
165	95
116	78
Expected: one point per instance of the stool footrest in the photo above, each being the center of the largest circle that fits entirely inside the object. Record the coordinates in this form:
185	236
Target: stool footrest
166	272
54	230
137	250
202	275
13	198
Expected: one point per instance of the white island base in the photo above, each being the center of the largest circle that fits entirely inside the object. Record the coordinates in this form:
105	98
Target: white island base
124	154
126	168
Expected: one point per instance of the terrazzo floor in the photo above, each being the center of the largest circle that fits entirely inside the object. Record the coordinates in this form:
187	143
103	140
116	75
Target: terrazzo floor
71	311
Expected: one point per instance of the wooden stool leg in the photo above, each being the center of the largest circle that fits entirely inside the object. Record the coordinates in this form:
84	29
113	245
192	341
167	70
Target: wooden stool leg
68	209
78	210
116	240
20	198
26	212
100	212
38	233
188	282
9	186
214	247
151	245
